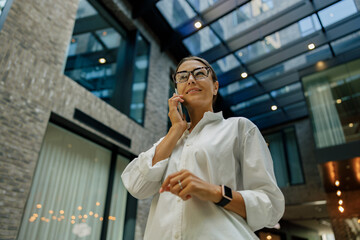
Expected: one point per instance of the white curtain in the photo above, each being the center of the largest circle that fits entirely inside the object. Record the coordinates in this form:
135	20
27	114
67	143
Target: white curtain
327	125
69	188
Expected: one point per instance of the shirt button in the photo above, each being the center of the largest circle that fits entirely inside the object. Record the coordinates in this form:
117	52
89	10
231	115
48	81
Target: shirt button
177	235
179	200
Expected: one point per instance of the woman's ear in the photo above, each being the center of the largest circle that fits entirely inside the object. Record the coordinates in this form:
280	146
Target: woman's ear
216	88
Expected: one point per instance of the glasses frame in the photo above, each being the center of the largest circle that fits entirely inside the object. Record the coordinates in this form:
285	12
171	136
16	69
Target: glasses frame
192	73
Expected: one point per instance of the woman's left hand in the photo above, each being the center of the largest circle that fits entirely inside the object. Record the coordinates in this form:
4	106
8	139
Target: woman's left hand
186	185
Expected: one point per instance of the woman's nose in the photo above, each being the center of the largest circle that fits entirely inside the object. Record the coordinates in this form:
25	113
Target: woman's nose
191	79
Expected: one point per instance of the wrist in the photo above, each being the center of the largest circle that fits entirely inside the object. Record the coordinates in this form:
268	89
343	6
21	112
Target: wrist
179	127
216	194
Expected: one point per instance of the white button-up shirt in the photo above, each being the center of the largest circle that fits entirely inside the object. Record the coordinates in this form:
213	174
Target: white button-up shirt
220	151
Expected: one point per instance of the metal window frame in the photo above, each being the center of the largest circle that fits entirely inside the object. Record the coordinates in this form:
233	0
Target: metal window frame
5	12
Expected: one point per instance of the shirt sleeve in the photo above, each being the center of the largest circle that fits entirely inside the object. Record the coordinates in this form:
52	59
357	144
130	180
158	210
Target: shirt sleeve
264	202
140	178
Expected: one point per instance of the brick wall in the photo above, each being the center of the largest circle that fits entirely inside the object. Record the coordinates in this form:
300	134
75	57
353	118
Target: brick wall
33	44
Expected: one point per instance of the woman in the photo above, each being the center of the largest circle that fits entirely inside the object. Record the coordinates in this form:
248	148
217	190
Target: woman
211	178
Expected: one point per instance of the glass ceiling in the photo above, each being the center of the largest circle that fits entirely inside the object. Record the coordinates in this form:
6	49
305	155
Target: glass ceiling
249	15
263	85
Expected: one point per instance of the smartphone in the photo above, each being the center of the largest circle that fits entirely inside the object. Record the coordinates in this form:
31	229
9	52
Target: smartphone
179	106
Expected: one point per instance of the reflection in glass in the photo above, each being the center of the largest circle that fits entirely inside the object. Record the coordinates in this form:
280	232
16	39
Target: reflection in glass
85	10
71	176
333	98
287	90
249	15
278	39
201	41
297	62
249	103
338	11
347	43
201	5
237	86
225	64
176	12
140	79
93	53
284	151
2	5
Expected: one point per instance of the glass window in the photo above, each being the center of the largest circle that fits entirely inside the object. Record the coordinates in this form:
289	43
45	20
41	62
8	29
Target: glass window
225	64
68	193
201	5
284	151
338	11
278	39
249	15
141	66
176	12
297	62
237	86
116	222
333	98
94	52
2	5
287	90
251	102
201	41
85	10
346	43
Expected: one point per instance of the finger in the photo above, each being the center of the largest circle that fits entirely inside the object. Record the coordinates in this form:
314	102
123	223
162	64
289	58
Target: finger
167	180
185	193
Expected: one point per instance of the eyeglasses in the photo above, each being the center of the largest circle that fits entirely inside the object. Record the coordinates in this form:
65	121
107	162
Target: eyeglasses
198	73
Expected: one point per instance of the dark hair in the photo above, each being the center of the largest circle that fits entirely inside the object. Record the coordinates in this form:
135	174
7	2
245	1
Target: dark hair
203	61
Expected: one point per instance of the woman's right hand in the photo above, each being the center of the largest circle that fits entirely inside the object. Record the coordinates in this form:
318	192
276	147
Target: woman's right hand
177	121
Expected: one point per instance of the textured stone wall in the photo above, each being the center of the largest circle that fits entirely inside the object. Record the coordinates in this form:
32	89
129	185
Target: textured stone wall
33	44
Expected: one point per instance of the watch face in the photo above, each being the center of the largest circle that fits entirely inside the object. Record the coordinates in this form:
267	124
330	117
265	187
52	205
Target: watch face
227	192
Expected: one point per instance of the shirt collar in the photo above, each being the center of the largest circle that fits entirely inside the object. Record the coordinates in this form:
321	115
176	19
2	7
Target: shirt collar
211	116
208	117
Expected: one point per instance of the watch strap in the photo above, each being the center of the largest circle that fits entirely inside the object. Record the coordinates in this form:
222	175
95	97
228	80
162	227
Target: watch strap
226	196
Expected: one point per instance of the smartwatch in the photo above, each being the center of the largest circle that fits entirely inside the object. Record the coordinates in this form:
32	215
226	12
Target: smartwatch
226	196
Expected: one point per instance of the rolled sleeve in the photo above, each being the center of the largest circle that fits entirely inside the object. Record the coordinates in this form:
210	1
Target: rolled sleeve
264	202
140	178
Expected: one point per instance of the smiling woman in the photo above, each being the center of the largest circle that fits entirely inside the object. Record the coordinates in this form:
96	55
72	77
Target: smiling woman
211	178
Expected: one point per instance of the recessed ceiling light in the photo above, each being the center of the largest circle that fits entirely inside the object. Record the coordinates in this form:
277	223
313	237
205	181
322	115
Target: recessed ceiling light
198	24
102	60
311	46
244	75
274	107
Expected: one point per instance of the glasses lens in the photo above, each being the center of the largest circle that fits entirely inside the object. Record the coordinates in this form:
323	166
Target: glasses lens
200	73
181	77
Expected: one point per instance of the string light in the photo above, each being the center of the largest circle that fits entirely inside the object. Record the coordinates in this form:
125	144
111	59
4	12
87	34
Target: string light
338	193
341	202
341	209
337	183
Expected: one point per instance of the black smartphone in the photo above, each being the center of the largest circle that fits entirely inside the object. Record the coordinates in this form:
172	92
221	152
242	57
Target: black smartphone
179	107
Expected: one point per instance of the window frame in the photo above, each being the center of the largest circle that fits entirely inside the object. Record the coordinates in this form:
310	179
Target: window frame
5	12
286	154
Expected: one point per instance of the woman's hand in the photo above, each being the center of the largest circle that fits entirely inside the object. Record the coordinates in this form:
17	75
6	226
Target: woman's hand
191	186
176	119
